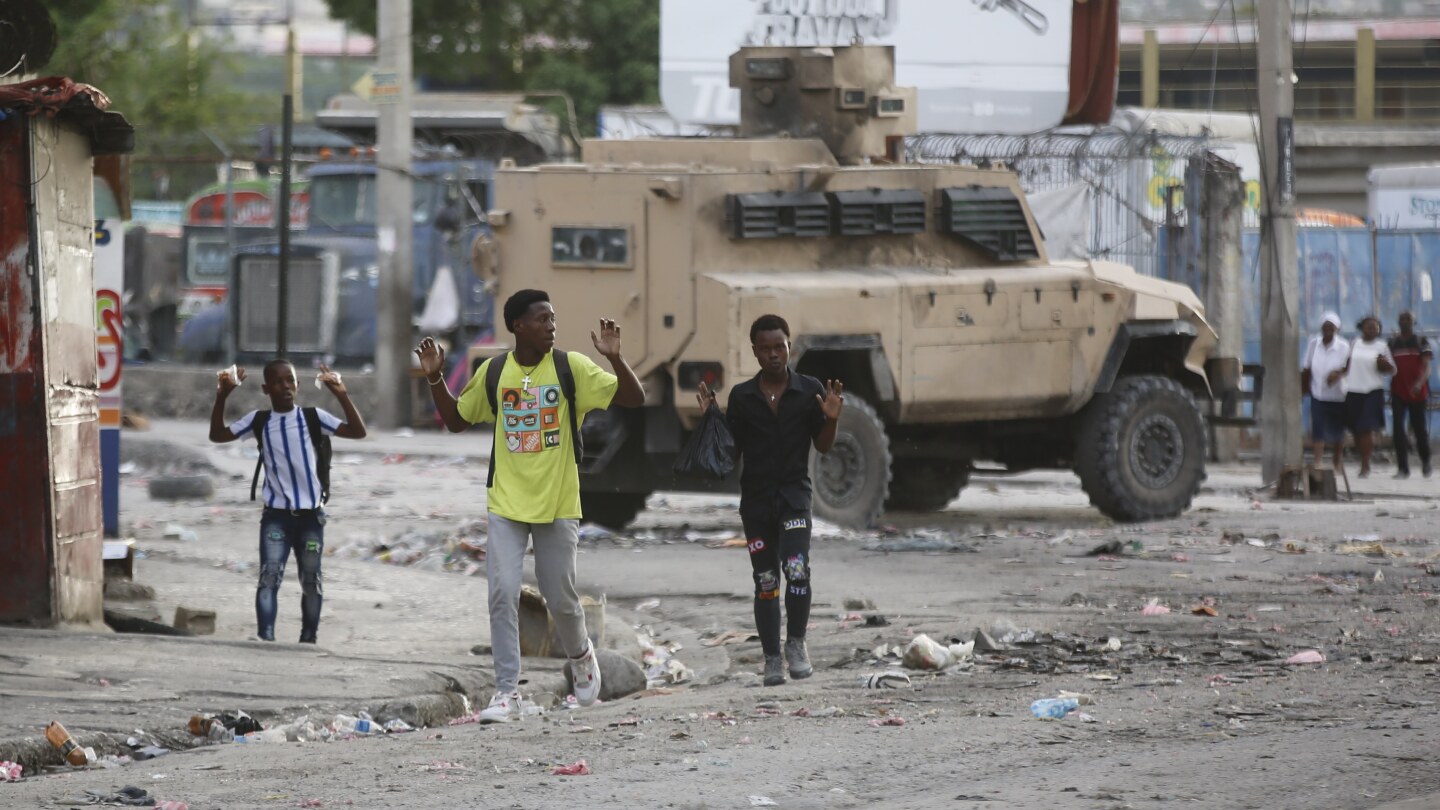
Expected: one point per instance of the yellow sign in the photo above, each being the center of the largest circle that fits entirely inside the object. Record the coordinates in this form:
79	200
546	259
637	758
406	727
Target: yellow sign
378	86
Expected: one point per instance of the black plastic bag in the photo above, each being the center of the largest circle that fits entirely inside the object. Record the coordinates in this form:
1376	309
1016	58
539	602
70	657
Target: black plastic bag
710	452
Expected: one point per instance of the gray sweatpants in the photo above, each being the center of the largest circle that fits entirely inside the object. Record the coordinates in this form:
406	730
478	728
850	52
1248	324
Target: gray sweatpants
555	545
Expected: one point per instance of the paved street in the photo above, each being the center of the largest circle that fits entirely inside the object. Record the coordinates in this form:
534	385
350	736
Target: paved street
1188	709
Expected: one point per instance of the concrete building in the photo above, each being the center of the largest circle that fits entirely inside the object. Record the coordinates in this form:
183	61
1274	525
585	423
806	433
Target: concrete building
1368	89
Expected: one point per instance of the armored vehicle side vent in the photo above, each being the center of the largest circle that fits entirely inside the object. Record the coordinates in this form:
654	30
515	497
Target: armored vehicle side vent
767	215
991	218
877	211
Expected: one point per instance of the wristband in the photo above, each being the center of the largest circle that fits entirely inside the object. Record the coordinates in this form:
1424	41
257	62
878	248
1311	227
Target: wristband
439	378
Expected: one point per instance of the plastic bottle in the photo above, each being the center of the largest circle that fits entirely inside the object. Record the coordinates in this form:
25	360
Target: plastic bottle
1053	708
345	724
60	738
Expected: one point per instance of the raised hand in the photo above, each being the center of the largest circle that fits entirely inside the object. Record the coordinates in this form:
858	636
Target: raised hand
833	401
227	383
705	397
331	380
607	343
432	357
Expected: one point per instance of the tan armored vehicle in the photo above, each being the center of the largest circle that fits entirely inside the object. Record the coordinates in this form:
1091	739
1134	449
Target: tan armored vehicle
926	289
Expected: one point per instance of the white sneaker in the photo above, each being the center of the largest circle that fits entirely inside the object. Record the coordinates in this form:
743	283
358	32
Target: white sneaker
502	709
587	677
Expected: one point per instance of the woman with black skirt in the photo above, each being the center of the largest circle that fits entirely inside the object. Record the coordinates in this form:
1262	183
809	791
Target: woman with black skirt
1370	363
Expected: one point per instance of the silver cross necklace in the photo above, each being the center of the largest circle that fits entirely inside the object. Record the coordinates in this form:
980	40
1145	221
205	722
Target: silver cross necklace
525	381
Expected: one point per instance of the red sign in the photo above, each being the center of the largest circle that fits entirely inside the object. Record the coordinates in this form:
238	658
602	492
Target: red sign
253	209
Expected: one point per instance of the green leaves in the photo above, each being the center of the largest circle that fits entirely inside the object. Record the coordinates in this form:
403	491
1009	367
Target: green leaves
163	78
597	51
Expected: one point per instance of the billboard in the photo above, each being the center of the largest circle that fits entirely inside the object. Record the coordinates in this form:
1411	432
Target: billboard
978	65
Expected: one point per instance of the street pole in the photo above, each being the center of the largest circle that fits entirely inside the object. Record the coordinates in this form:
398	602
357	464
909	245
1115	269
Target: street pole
282	217
1224	206
1279	279
395	135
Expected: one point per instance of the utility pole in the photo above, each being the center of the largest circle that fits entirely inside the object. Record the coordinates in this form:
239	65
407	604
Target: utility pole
1279	277
395	300
282	215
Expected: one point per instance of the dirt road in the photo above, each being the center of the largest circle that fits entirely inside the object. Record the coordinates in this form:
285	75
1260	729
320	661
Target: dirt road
1188	709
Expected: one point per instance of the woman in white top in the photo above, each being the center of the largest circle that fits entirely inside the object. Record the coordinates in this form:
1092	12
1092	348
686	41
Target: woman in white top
1370	363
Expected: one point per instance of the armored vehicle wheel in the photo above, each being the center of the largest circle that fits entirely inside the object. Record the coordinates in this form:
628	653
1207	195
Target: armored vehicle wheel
1140	453
852	480
925	486
613	510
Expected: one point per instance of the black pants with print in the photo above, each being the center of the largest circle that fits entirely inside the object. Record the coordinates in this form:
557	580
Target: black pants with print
779	544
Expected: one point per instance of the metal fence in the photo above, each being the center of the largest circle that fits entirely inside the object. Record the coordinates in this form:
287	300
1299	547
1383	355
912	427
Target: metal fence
1136	183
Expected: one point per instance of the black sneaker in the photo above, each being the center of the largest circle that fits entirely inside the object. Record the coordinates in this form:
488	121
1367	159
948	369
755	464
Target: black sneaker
1425	470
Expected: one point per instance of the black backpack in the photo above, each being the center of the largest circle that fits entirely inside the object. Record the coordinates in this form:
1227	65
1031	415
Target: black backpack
567	387
318	439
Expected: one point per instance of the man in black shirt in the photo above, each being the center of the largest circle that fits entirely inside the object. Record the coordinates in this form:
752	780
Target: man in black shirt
775	418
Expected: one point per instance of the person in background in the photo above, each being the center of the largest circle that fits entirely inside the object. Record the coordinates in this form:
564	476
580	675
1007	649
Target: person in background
1409	395
1322	376
1370	362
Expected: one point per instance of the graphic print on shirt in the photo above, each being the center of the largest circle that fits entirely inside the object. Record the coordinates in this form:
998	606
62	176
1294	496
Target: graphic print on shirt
530	418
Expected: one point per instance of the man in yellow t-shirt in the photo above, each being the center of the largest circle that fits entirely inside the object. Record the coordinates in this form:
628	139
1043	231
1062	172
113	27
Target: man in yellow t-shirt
534	491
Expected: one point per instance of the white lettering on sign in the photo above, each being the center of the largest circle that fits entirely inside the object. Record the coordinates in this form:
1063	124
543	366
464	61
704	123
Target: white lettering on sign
810	23
714	100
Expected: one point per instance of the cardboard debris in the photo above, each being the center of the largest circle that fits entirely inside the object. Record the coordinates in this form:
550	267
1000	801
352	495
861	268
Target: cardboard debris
1375	549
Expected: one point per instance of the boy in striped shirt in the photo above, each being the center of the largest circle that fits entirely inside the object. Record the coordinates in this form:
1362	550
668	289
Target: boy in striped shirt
294	517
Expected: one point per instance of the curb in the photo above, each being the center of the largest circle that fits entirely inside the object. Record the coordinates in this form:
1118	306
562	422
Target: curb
434	709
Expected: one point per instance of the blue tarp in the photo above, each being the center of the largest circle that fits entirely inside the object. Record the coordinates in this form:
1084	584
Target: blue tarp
1353	271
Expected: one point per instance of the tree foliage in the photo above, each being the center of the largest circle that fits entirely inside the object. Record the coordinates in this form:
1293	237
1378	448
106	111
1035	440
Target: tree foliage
163	78
598	51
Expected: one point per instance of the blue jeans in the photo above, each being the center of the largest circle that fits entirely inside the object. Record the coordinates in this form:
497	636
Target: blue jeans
281	532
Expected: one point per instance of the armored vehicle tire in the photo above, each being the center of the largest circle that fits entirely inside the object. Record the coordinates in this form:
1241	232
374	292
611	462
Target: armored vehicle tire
613	510
1140	453
851	482
925	486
